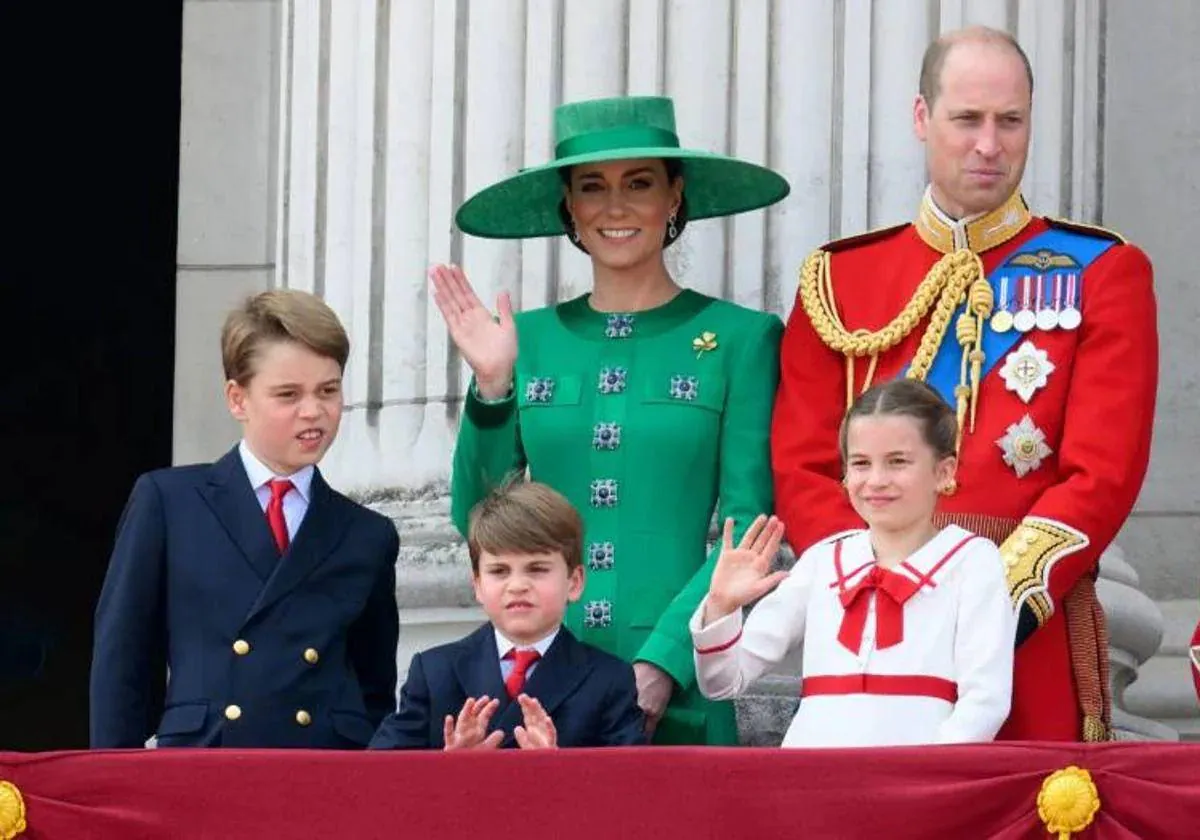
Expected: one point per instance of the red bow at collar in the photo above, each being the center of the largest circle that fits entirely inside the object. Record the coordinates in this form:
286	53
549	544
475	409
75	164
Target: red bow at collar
894	589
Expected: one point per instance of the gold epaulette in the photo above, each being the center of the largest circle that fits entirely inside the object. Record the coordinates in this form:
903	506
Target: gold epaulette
862	238
1080	227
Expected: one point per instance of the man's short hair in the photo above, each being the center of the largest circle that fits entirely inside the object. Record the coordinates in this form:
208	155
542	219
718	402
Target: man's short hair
930	82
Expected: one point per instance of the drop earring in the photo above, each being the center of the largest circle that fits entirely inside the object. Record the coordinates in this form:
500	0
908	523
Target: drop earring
672	231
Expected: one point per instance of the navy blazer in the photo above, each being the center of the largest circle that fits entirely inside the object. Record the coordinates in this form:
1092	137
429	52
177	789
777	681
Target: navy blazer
262	651
589	694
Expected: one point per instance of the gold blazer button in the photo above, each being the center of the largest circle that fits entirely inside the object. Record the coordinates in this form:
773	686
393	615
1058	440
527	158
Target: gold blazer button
233	712
241	647
311	656
303	718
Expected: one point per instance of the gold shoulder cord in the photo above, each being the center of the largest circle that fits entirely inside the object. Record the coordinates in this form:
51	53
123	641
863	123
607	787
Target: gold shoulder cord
956	278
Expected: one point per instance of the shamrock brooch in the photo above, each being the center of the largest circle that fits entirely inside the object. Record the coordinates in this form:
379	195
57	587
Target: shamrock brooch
704	342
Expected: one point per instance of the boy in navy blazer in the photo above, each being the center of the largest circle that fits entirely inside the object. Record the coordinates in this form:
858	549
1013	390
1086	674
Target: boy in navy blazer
522	680
258	599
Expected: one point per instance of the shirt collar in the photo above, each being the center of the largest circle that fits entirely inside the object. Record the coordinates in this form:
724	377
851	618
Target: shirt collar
977	233
259	473
503	645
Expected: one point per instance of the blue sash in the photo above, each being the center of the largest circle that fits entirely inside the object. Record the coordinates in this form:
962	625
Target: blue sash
1055	251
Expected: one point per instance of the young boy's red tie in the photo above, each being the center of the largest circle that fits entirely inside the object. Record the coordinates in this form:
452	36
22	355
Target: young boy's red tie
279	489
522	660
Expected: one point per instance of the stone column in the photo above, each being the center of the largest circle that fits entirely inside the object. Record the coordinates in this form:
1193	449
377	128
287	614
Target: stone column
227	211
1152	195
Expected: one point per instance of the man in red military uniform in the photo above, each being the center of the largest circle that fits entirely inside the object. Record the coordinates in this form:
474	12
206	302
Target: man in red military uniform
1041	333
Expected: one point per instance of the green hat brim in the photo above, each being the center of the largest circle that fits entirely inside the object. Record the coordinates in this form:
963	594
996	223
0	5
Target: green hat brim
526	205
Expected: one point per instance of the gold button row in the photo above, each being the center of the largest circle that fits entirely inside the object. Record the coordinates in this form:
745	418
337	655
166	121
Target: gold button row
233	712
241	647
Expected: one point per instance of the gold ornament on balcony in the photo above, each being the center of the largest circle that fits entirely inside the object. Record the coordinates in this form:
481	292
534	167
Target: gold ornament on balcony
12	811
1068	801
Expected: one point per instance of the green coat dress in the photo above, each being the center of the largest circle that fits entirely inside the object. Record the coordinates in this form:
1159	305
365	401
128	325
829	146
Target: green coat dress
644	423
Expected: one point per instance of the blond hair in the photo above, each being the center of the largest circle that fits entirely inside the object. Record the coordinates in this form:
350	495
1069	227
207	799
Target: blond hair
525	517
280	315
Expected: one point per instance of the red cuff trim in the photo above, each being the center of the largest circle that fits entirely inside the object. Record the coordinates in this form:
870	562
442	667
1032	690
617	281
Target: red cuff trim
719	648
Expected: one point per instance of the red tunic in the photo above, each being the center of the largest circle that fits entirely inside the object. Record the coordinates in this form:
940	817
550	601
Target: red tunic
1095	410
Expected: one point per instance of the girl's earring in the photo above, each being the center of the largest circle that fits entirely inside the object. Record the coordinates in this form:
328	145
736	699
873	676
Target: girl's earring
574	232
949	488
672	232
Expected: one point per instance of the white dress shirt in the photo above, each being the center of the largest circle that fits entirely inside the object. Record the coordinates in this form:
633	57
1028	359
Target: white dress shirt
295	503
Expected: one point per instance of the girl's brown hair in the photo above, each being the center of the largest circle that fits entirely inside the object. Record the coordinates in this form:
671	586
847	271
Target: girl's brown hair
907	398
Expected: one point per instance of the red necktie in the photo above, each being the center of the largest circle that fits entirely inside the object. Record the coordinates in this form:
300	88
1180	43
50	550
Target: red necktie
892	590
522	661
279	489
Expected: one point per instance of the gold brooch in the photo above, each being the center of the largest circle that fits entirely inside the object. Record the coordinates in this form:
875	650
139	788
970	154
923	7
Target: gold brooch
1068	801
704	342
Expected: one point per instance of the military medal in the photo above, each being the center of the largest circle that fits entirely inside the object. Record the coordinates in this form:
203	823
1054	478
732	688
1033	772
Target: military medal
1002	321
1024	446
1025	320
1025	370
1070	318
1047	313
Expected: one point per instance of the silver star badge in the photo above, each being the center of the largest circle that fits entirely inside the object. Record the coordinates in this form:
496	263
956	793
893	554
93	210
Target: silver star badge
1026	369
1024	446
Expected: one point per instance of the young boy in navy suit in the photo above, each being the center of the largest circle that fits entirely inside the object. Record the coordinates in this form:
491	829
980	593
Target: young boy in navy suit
261	601
522	679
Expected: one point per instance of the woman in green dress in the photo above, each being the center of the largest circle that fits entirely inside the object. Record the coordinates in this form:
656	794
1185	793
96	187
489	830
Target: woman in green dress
644	403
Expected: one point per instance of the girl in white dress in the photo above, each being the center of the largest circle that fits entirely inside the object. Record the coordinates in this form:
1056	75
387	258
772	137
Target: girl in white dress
908	630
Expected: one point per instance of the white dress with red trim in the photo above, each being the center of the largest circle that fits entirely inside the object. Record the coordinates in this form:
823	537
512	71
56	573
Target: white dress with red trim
919	654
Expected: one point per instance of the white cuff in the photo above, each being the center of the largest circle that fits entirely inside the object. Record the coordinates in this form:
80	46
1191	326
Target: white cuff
716	635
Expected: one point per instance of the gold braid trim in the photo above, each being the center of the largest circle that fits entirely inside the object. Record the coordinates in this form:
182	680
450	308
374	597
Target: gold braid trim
1029	554
1087	642
954	279
995	528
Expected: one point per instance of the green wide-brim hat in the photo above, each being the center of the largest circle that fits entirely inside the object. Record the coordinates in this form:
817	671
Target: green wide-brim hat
622	128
